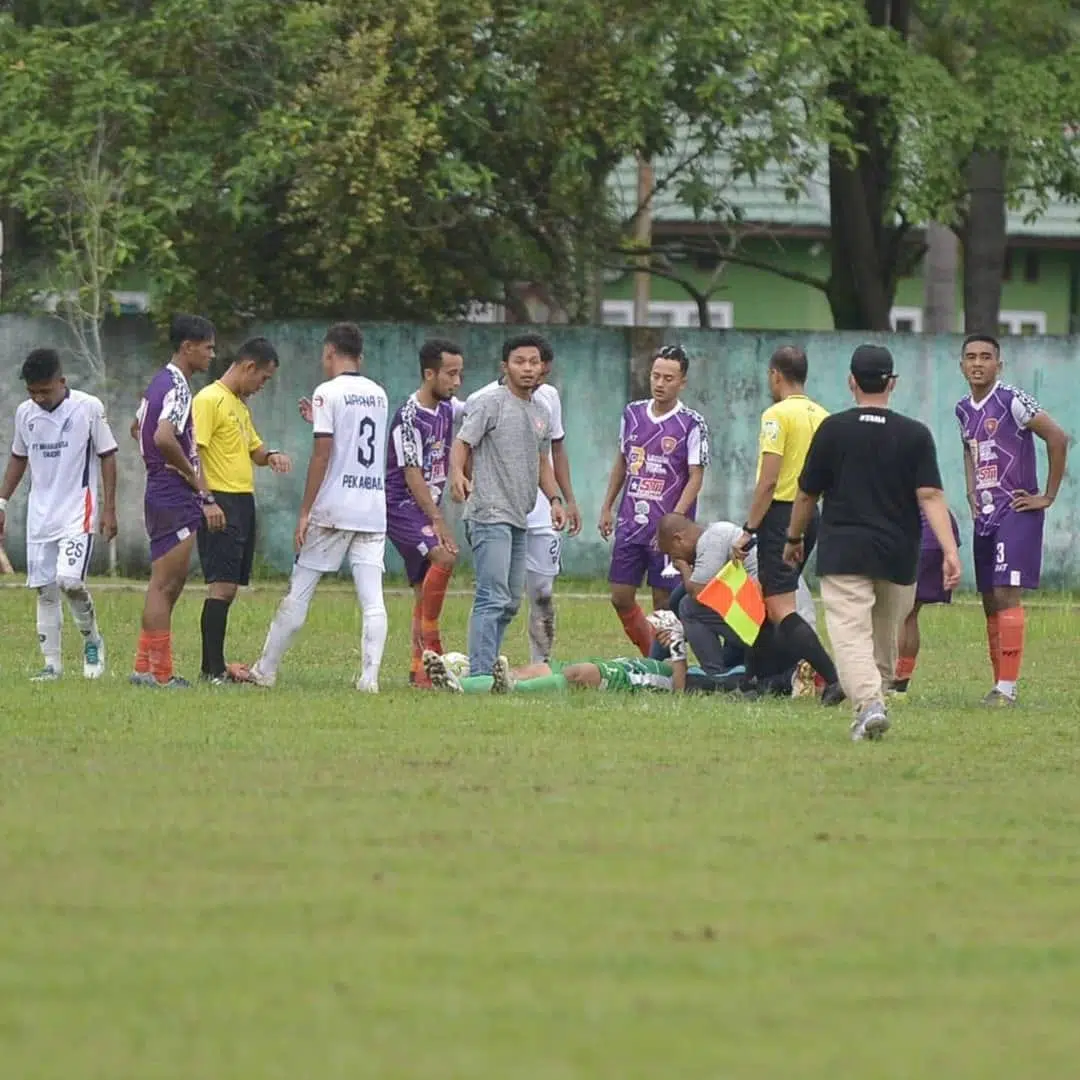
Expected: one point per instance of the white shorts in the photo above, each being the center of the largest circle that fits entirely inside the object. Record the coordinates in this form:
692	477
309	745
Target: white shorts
326	549
542	553
68	557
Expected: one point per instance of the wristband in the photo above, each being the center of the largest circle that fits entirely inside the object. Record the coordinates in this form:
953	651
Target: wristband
557	498
3	505
794	539
750	532
271	453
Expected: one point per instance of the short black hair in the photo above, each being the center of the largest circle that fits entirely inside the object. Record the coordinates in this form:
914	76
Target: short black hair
988	338
672	352
40	366
346	338
431	353
529	341
190	328
790	363
258	349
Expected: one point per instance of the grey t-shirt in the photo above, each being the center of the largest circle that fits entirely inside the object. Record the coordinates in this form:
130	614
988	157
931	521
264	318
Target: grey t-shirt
713	551
507	435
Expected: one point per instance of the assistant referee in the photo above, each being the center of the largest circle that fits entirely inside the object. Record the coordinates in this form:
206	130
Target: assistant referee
229	447
787	429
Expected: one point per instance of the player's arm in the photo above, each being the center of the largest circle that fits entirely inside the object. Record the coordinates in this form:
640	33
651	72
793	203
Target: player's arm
321	449
969	480
169	445
550	488
13	474
802	511
108	495
560	461
764	491
616	483
692	489
1057	449
678	675
697	457
478	421
936	510
460	470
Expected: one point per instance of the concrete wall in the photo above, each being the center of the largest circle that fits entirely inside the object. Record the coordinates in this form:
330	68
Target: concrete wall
593	373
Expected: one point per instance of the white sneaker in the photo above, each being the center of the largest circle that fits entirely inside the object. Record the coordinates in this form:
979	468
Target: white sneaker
239	673
366	685
502	678
871	723
46	674
441	677
93	658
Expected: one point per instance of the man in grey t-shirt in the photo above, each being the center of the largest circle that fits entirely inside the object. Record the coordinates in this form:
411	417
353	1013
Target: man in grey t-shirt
498	460
701	552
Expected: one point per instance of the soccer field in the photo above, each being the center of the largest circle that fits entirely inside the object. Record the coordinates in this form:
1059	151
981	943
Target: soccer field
308	882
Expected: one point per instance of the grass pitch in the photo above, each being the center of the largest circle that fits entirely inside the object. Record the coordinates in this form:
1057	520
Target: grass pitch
235	884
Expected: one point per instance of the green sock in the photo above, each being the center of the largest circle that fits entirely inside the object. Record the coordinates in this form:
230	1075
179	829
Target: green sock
476	684
543	684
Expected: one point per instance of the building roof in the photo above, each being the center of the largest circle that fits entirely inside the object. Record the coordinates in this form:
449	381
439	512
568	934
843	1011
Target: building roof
766	201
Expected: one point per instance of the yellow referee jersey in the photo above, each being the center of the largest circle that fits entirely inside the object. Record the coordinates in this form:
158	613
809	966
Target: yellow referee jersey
226	438
787	429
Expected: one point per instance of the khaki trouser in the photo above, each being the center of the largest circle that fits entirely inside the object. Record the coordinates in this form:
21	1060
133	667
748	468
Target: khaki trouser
863	617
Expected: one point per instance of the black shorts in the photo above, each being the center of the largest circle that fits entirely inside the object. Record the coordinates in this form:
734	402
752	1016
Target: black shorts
227	555
775	576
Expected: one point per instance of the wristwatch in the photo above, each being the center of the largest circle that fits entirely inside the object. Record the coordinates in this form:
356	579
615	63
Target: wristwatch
207	498
749	532
557	498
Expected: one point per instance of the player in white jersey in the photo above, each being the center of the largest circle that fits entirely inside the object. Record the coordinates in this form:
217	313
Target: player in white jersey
544	552
62	437
343	513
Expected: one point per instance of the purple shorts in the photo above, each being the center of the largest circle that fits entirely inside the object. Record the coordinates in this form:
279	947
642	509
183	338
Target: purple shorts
929	587
171	523
1012	554
411	533
631	562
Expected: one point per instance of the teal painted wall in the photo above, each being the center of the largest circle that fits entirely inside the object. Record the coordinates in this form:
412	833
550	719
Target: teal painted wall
727	384
766	301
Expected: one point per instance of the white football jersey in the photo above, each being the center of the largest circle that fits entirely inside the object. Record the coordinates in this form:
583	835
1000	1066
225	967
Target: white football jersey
63	449
353	410
539	519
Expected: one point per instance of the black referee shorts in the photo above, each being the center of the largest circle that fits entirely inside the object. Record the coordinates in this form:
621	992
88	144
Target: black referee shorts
775	576
227	555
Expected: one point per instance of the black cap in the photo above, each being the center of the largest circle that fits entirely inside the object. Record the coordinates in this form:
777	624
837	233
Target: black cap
872	366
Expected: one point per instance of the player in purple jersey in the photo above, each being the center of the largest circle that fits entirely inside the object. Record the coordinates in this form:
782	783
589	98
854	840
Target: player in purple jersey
421	432
663	451
997	423
929	589
177	499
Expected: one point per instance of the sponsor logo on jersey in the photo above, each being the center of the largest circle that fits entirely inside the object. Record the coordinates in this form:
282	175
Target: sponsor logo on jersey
635	459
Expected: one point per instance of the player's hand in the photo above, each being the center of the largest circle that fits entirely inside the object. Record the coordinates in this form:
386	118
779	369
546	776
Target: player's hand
741	547
188	477
134	429
279	463
558	516
793	554
951	570
108	524
303	406
607	524
1023	501
460	487
301	533
445	536
215	517
573	519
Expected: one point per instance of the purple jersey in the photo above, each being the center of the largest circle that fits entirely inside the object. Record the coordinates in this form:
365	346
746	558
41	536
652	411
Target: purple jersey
420	439
659	452
168	397
929	540
1002	448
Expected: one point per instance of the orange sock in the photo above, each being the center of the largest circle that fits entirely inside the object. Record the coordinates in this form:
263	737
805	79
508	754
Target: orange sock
142	654
905	667
159	645
416	663
993	640
432	596
637	629
1011	630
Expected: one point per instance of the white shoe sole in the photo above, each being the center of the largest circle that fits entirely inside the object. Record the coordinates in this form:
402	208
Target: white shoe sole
870	728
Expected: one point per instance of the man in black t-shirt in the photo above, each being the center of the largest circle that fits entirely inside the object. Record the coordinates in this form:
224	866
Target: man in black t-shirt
874	469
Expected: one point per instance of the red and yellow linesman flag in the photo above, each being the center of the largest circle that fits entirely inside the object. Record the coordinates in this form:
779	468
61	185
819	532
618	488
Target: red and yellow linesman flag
736	597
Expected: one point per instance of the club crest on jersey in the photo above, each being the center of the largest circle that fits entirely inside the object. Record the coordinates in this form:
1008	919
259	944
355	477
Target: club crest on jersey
427	530
635	459
668	444
990	425
539	425
318	401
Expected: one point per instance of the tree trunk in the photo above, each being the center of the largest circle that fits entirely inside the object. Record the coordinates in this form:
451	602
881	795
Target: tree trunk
939	276
983	236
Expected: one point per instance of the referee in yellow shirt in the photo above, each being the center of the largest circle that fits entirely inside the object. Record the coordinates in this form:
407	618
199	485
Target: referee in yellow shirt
787	429
229	448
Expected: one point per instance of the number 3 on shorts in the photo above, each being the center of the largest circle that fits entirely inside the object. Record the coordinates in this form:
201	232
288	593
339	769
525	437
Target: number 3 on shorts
999	555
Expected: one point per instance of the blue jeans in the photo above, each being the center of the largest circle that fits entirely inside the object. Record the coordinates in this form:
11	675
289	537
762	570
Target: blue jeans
499	564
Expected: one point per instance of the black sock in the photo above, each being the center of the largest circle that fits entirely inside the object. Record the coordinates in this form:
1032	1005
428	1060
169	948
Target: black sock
215	617
799	640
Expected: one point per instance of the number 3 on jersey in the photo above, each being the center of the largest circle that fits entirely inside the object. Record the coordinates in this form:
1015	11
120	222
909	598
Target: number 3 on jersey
365	449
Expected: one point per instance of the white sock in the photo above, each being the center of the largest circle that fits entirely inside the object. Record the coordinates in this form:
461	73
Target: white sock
49	620
368	579
291	615
1007	688
81	606
539	588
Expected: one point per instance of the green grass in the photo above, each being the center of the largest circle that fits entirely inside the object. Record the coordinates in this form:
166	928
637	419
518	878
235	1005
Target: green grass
312	883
